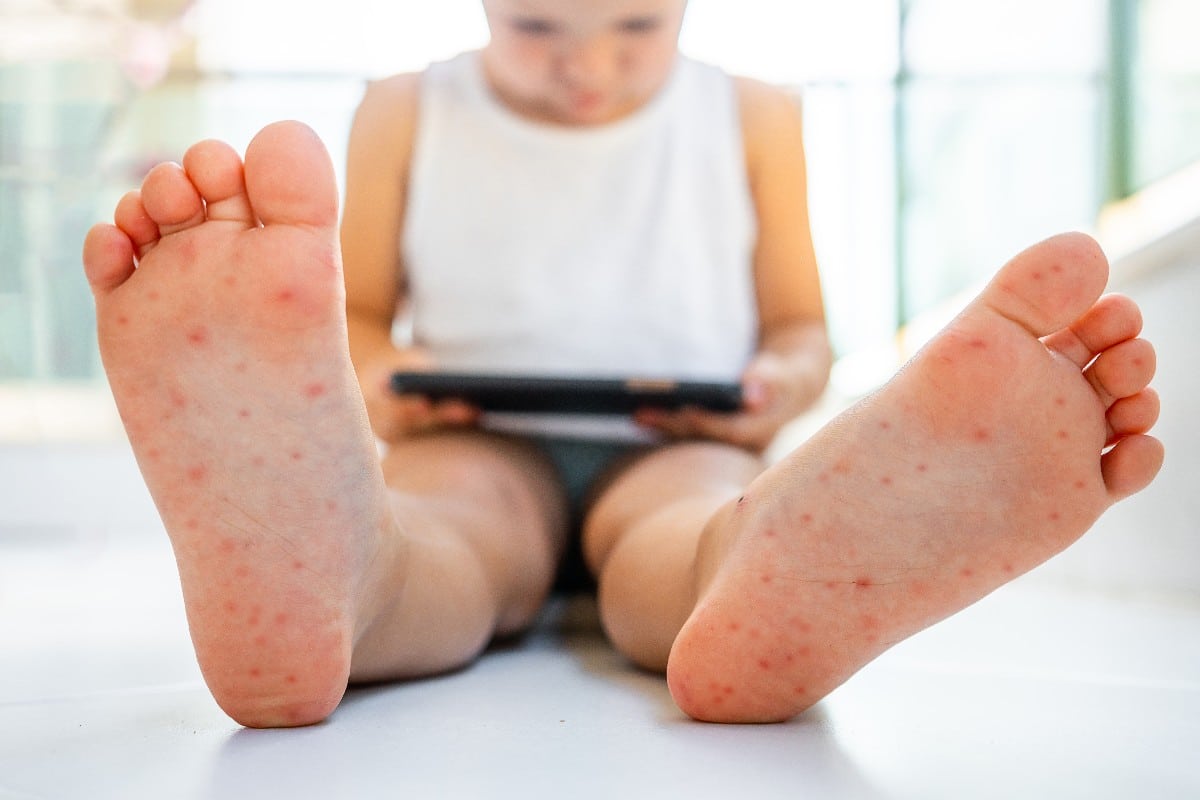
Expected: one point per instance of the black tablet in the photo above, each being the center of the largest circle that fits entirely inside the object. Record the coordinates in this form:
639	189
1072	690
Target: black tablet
528	393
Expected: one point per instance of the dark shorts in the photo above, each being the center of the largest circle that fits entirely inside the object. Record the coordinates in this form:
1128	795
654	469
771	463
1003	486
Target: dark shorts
583	465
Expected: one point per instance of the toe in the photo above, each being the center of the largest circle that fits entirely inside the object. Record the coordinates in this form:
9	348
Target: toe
274	158
107	258
1050	285
1130	465
215	169
1122	370
1114	319
132	218
1132	415
171	200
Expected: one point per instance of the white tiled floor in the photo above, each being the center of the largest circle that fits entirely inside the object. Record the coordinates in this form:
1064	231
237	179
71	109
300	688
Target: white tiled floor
1081	680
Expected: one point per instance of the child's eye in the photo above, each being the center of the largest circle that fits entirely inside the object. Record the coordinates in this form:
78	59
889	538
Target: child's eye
640	25
532	26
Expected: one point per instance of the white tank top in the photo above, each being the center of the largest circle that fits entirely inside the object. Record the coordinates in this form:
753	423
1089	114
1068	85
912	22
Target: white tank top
619	250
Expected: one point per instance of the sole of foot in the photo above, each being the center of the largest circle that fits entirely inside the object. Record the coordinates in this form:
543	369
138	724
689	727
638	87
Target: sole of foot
220	311
995	448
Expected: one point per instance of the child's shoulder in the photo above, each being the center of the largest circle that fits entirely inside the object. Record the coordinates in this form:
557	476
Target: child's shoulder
760	100
395	94
385	121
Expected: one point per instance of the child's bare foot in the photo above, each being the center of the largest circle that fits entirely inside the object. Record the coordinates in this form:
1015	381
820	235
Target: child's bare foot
983	458
226	351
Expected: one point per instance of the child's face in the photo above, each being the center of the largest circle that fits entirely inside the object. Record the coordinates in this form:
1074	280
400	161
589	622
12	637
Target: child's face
580	62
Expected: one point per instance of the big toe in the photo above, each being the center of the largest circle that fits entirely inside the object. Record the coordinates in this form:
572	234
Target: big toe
275	158
1050	285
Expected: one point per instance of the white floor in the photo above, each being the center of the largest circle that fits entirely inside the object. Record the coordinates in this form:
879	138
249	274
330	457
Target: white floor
1081	680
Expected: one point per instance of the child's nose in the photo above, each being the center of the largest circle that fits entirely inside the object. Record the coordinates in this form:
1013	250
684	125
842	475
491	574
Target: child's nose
590	61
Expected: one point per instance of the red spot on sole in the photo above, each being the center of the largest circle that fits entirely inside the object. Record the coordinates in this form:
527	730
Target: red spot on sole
1064	435
198	336
764	664
281	619
314	390
244	413
922	468
297	565
256	673
981	435
863	583
765	578
886	480
1054	516
290	678
297	456
228	545
799	691
967	573
885	425
979	344
197	473
285	296
734	627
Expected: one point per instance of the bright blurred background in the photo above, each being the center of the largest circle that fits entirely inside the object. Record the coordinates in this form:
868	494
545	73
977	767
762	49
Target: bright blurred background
943	135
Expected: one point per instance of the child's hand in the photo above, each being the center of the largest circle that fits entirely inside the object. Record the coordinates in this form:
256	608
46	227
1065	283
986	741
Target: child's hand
396	416
772	396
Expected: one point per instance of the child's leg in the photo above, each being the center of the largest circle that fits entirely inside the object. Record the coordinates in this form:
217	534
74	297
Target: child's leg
227	354
640	540
988	454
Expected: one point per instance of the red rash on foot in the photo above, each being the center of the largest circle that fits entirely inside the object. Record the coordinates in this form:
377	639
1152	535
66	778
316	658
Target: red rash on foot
1060	401
981	435
198	336
734	627
244	413
863	583
885	425
966	573
1064	435
922	467
228	545
1054	516
806	518
256	673
979	344
886	480
197	473
314	390
1080	484
298	565
290	678
281	619
285	296
764	664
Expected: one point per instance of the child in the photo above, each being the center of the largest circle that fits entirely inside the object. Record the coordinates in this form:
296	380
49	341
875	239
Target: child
228	332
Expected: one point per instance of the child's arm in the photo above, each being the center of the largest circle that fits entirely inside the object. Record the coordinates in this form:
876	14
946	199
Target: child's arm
791	367
378	158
